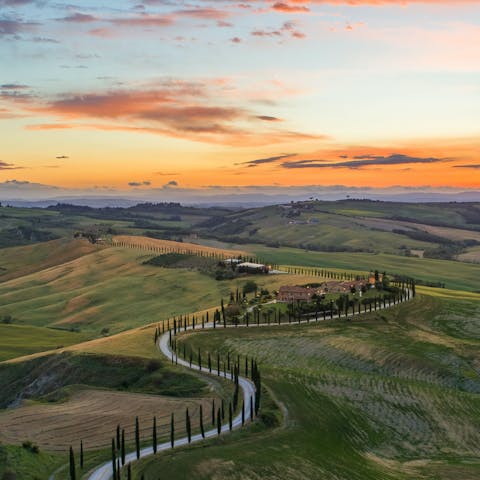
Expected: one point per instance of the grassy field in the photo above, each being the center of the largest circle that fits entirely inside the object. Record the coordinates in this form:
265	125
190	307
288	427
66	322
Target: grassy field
393	395
111	290
19	340
454	275
19	261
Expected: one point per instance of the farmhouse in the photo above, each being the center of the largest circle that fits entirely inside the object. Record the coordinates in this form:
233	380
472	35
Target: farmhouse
293	293
249	267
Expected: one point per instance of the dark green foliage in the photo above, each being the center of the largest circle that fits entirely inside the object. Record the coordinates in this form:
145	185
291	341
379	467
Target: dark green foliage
122	447
53	372
137	437
154	435
114	459
188	426
72	464
219	421
202	431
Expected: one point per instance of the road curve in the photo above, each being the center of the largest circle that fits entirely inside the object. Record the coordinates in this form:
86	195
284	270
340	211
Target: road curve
105	471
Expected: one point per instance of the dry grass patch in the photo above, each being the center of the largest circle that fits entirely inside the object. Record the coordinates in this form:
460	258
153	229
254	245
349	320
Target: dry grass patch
93	415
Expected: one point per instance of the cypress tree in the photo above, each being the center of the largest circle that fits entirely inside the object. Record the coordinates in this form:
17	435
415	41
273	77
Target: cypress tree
122	450
230	416
137	437
129	471
81	453
202	431
154	435
251	408
243	412
114	462
219	421
118	437
223	409
172	431
199	359
209	363
213	412
72	464
188	426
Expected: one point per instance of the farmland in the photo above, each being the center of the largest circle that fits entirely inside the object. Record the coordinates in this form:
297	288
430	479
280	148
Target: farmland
393	395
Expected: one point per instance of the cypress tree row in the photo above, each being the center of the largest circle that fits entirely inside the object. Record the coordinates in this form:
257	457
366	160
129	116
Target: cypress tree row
137	437
72	464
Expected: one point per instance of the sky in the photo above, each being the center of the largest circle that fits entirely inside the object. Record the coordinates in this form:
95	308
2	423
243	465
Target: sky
132	96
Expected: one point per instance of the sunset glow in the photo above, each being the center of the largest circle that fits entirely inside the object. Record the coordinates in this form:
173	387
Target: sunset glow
154	94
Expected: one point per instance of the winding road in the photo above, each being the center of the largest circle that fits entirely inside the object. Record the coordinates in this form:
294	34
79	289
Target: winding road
105	471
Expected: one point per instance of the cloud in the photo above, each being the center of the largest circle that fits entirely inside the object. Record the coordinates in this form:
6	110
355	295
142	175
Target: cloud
62	157
204	13
362	161
15	3
170	184
166	107
473	165
145	183
78	18
261	161
288	28
268	118
14	86
8	166
145	20
9	26
287	8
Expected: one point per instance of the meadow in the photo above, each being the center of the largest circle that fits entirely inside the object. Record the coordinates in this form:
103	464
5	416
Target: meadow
391	395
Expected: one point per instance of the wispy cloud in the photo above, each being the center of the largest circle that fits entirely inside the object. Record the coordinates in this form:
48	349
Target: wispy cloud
362	161
473	165
261	161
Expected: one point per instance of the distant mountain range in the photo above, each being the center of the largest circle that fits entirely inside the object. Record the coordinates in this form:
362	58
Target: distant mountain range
240	200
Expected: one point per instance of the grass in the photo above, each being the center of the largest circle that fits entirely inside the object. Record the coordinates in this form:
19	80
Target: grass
454	275
19	261
392	395
110	290
27	465
17	340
